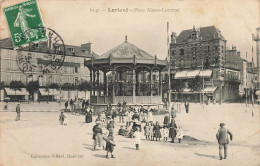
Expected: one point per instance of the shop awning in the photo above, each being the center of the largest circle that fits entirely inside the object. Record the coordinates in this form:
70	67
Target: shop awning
180	74
11	92
51	92
43	92
205	73
209	89
192	73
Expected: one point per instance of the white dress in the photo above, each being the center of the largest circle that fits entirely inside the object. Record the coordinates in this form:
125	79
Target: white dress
137	137
150	116
179	134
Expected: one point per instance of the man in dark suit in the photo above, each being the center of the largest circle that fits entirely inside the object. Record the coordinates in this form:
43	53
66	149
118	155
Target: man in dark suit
223	140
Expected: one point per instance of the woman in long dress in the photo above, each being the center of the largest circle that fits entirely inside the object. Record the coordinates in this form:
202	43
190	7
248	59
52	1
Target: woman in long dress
88	118
150	115
173	130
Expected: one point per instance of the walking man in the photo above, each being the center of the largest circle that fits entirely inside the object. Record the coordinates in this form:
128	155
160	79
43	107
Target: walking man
18	112
223	140
186	104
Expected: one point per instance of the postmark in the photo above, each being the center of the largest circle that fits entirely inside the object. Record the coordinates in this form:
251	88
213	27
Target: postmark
22	19
41	57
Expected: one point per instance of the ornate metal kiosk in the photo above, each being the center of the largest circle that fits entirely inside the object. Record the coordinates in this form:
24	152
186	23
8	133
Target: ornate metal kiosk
126	73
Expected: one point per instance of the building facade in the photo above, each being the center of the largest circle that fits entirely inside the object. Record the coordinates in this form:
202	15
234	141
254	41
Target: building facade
71	71
201	53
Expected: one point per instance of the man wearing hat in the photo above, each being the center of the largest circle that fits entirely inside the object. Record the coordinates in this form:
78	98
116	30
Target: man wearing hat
18	114
223	140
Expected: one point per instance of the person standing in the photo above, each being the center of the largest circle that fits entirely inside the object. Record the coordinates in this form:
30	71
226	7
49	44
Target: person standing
71	106
66	105
83	105
223	140
166	120
18	114
97	135
165	133
156	131
173	130
110	144
186	104
137	138
88	117
149	115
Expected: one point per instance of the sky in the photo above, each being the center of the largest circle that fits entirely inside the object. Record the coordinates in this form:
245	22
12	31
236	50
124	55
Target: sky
76	24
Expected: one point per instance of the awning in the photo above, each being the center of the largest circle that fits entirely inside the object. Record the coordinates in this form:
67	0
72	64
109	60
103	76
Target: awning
50	93
192	73
11	92
209	89
43	92
205	73
180	74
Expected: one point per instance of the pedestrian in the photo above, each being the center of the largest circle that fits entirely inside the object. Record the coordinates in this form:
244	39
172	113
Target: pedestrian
151	131
129	115
87	103
83	104
166	120
66	105
223	140
173	113
136	116
65	121
137	138
165	133
157	131
179	134
88	117
110	144
61	117
114	114
172	131
6	105
111	125
97	135
18	112
71	105
149	115
186	104
147	130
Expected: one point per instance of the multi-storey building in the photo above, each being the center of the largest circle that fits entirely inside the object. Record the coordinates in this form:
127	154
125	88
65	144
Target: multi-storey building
71	71
202	53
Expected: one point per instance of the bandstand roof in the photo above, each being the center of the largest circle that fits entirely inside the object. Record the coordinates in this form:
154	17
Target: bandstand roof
126	50
125	53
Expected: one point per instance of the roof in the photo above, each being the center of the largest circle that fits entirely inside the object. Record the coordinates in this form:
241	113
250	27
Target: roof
205	33
126	50
78	50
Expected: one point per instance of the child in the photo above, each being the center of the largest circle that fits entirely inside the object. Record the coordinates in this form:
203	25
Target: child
61	119
110	144
147	130
65	122
157	132
165	133
179	134
137	137
151	132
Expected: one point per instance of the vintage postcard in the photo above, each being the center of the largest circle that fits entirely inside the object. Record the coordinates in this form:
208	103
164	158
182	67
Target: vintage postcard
129	83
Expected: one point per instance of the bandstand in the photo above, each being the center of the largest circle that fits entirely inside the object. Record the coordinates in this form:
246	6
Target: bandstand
126	73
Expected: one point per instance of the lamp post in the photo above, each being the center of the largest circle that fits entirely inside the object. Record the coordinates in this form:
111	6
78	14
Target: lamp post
169	71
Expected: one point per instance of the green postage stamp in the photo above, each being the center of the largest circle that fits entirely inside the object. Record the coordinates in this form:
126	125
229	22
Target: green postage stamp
25	23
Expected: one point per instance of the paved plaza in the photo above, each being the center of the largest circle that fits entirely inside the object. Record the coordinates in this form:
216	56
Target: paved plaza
39	139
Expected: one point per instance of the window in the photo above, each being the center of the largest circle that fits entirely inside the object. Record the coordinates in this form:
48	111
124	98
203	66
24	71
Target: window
71	49
76	80
182	52
76	70
36	45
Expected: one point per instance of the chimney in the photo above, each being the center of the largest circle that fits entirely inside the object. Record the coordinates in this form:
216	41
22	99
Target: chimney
87	47
173	37
238	53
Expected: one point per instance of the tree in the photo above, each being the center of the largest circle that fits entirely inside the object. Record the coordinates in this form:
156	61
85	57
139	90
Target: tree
16	85
178	85
32	87
84	86
68	87
195	84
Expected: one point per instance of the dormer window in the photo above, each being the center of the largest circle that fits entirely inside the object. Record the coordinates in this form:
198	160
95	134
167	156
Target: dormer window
71	49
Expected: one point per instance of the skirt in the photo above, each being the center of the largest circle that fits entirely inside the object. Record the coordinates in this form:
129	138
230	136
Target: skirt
157	134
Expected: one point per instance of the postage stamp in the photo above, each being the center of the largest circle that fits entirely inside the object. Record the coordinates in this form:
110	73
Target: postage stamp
22	19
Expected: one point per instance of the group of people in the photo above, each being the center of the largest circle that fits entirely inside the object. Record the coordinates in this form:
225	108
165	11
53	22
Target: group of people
73	103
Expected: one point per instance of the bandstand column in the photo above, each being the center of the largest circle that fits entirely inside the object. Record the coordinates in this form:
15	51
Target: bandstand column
98	90
94	83
113	85
134	85
151	86
160	83
90	73
105	83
